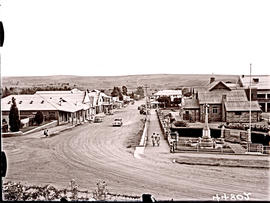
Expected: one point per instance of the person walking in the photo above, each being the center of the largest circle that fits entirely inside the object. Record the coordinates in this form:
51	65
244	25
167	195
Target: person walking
158	140
153	139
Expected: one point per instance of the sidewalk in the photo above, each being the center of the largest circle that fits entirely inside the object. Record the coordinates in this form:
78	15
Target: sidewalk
155	128
53	130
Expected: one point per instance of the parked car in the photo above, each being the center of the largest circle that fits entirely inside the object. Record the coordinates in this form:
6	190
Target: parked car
109	113
98	119
143	111
117	122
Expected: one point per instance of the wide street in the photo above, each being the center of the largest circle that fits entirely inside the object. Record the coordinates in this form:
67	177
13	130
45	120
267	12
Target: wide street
98	151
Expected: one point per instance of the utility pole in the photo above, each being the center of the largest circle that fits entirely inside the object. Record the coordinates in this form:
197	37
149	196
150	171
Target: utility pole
249	133
146	97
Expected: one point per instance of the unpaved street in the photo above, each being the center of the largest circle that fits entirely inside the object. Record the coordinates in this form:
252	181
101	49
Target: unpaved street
98	151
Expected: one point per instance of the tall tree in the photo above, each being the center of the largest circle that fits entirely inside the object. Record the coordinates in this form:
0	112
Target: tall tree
14	120
124	90
39	117
140	92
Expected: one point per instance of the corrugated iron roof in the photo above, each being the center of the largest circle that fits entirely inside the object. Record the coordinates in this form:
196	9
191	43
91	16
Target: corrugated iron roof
242	106
259	82
27	103
216	97
168	93
191	104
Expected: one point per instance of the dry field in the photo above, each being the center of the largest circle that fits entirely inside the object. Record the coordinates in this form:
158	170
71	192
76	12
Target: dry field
155	81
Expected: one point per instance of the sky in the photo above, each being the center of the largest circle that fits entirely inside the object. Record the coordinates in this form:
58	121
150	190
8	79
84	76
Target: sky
100	38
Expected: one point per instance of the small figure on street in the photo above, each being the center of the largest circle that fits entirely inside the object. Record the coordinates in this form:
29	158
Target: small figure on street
158	140
172	147
153	139
46	132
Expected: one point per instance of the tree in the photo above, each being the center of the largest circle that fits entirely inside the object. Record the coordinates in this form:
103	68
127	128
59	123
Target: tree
124	90
164	100
39	117
132	95
14	120
6	92
117	93
140	92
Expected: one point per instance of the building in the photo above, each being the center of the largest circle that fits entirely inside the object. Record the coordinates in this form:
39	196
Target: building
227	103
107	103
168	98
191	109
64	106
28	105
74	105
260	89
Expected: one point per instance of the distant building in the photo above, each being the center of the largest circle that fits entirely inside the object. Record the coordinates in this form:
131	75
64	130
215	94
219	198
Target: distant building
168	98
260	89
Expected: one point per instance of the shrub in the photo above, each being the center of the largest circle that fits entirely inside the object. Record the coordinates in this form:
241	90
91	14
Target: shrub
180	124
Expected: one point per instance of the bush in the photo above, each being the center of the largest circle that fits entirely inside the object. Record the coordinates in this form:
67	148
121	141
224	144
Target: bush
180	124
39	117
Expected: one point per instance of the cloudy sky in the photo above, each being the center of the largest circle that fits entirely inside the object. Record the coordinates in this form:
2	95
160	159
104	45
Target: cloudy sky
82	37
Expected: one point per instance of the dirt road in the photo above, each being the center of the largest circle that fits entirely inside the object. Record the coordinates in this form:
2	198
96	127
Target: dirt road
98	151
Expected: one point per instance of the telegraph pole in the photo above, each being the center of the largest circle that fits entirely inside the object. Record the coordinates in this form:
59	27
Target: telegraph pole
146	97
249	133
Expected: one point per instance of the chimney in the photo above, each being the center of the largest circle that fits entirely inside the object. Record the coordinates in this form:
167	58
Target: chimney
212	79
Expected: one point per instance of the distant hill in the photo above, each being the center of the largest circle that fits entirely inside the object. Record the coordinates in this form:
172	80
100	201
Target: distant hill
155	81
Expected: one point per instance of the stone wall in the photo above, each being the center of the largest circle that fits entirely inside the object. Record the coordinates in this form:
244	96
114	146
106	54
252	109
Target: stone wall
232	117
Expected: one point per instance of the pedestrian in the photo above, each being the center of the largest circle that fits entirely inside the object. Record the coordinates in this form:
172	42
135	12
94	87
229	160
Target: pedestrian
158	140
153	139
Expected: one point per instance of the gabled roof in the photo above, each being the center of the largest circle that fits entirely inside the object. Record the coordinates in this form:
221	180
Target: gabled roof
47	101
219	85
64	102
191	104
215	97
242	106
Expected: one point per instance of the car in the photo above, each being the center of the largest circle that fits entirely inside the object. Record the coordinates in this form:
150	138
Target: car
143	111
117	122
98	119
109	113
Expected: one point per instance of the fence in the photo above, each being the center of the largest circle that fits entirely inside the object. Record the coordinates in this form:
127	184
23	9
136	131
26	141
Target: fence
254	147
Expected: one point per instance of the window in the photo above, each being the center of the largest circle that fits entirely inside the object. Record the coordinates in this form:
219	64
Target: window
239	113
42	102
187	112
268	96
261	96
215	110
31	102
20	102
9	102
256	80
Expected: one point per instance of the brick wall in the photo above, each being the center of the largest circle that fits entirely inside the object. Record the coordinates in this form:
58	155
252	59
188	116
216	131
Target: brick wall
212	117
